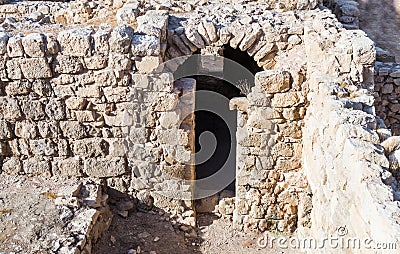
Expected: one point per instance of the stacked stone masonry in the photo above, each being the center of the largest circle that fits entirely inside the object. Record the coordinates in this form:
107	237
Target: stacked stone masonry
387	105
91	100
345	145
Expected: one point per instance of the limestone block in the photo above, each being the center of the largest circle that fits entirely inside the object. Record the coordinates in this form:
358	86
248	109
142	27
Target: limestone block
3	42
138	135
9	109
391	144
105	78
122	118
210	30
121	38
55	109
68	167
119	62
14	69
173	137
265	51
14	47
101	38
273	81
42	147
95	62
84	116
48	129
165	102
5	130
363	48
90	147
260	118
118	147
105	167
91	91
75	42
148	64
68	64
52	46
283	149
36	166
238	34
33	110
73	129
181	45
250	39
128	13
143	45
26	130
34	68
76	103
117	94
34	45
21	87
187	42
154	22
194	37
288	99
12	166
169	120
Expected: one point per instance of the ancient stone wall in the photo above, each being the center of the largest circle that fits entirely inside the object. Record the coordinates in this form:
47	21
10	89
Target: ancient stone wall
346	11
80	104
272	191
354	194
387	88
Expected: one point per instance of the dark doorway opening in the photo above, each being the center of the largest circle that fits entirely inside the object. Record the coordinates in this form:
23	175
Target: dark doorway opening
219	122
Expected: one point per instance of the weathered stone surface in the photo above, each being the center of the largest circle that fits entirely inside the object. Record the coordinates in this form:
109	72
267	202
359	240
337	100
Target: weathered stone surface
73	129
14	47
75	42
5	130
26	129
34	45
105	167
147	64
68	167
3	42
90	147
121	38
127	14
36	166
287	99
143	45
33	68
12	166
273	81
68	64
9	109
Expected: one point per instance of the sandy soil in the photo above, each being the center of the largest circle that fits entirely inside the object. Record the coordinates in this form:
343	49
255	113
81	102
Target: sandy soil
154	234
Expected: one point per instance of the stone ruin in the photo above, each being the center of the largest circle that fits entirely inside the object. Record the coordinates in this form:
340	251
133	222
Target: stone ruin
82	97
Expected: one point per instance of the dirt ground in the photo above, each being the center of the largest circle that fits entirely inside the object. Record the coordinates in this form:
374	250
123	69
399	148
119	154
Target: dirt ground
380	20
29	219
154	234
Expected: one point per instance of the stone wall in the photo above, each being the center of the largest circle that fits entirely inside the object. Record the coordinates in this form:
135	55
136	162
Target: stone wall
271	188
354	194
88	102
84	103
346	11
387	88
